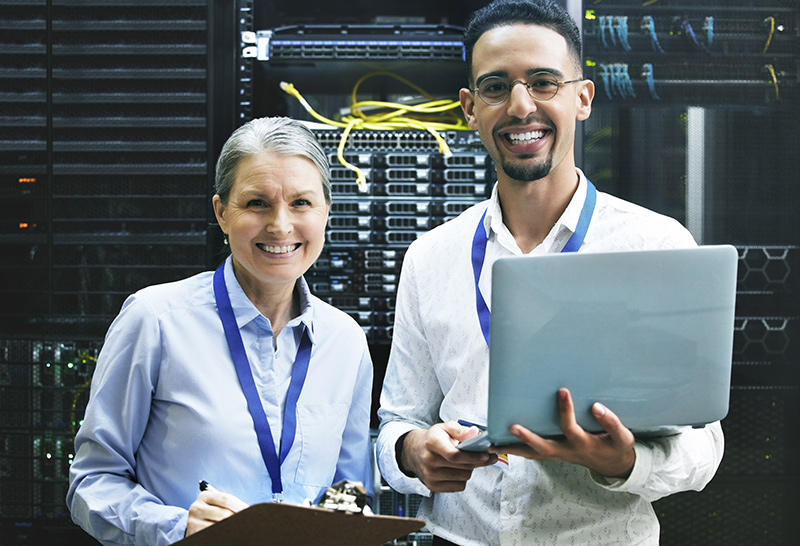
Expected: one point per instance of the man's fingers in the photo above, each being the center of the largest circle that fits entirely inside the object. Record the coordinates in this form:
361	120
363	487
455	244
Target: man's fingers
611	423
569	424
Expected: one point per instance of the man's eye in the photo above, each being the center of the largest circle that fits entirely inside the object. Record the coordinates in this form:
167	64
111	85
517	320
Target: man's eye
255	203
302	203
543	83
495	87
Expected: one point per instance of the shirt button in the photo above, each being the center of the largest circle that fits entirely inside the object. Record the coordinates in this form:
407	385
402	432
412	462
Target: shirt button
511	507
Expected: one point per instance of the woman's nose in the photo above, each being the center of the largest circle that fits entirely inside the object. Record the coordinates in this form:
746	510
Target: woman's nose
279	221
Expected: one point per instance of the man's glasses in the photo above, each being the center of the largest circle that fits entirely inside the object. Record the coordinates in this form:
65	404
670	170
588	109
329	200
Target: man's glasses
541	86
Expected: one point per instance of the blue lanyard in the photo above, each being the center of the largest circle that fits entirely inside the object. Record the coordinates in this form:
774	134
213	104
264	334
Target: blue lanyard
479	252
242	365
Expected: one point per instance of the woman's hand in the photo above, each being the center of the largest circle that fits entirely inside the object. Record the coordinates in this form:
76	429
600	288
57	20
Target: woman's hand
210	507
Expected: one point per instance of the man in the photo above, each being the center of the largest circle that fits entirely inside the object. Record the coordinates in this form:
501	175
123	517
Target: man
525	94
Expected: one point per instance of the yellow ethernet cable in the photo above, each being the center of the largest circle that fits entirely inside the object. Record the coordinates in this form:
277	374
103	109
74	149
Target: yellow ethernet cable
433	116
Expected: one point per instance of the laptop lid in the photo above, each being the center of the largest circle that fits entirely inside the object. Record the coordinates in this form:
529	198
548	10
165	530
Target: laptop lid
649	334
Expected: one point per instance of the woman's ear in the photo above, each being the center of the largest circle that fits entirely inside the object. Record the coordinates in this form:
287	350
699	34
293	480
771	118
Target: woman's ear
219	212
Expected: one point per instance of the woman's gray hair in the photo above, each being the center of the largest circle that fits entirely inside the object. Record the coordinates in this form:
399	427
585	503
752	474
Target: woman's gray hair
276	135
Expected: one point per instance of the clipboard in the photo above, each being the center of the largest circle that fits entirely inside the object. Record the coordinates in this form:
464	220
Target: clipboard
282	524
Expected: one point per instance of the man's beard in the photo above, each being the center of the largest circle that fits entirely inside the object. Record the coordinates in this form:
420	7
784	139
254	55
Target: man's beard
526	172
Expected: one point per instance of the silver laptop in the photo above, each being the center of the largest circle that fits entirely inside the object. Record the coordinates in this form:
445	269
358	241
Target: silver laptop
647	333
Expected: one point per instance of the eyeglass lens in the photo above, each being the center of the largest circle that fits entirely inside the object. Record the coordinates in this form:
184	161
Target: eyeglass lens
496	90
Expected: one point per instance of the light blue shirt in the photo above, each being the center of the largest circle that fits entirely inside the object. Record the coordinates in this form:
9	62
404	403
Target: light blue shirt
166	410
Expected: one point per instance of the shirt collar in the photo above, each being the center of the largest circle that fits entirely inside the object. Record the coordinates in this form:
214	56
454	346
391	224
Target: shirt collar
496	228
245	311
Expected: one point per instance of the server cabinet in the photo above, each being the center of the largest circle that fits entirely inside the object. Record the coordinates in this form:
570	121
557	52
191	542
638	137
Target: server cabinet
104	124
679	85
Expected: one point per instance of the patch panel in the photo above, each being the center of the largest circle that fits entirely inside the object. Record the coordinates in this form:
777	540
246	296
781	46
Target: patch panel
466	190
412	222
406	160
381	335
465	160
349	237
378	278
379	288
304	43
357	303
387	141
398	237
372	318
339	174
371	264
407	189
411	208
364	207
350	222
462	175
358	159
407	175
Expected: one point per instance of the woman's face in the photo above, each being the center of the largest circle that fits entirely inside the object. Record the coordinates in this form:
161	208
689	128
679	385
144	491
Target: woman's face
275	219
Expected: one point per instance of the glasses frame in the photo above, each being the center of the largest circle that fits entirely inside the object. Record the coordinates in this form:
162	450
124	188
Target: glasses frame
527	86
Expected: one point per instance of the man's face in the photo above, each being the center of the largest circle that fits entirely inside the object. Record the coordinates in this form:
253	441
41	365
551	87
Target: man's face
527	139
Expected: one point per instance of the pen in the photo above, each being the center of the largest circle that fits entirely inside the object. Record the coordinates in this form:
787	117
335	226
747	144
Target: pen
464	423
205	486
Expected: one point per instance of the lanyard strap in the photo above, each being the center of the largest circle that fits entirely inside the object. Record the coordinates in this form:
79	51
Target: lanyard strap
479	252
242	365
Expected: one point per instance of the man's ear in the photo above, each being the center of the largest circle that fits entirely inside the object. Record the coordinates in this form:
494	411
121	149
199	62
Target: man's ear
468	106
585	97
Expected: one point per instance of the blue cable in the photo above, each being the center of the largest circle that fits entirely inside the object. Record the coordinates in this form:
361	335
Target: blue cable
709	28
615	87
647	72
610	25
627	81
689	32
604	77
650	25
687	27
622	31
619	84
602	22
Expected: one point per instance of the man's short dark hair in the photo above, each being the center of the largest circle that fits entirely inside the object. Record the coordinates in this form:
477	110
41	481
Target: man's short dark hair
499	13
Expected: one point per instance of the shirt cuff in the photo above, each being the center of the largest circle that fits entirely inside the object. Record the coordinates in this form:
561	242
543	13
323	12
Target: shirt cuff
389	465
642	467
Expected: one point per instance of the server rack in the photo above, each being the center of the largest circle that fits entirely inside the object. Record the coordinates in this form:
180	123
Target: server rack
104	176
677	83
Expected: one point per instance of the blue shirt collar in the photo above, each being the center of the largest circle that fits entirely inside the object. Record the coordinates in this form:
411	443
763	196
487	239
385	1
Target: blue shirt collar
246	312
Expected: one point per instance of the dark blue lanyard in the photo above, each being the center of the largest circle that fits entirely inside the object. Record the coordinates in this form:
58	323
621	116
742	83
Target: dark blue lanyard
242	365
479	252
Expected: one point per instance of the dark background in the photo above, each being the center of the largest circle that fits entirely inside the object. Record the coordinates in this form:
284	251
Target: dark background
112	114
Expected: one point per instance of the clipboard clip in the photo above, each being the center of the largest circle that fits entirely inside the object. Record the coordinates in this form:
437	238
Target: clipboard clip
344	496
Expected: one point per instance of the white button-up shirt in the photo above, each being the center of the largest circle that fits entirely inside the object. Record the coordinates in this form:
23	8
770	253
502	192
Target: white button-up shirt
438	371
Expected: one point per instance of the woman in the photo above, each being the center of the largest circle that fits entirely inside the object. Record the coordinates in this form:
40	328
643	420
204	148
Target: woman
240	377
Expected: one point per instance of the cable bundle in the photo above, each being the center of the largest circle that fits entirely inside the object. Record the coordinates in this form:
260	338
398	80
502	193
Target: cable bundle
432	116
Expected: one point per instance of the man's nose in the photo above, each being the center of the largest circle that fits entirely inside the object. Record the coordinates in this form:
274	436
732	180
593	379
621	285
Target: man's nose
520	103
